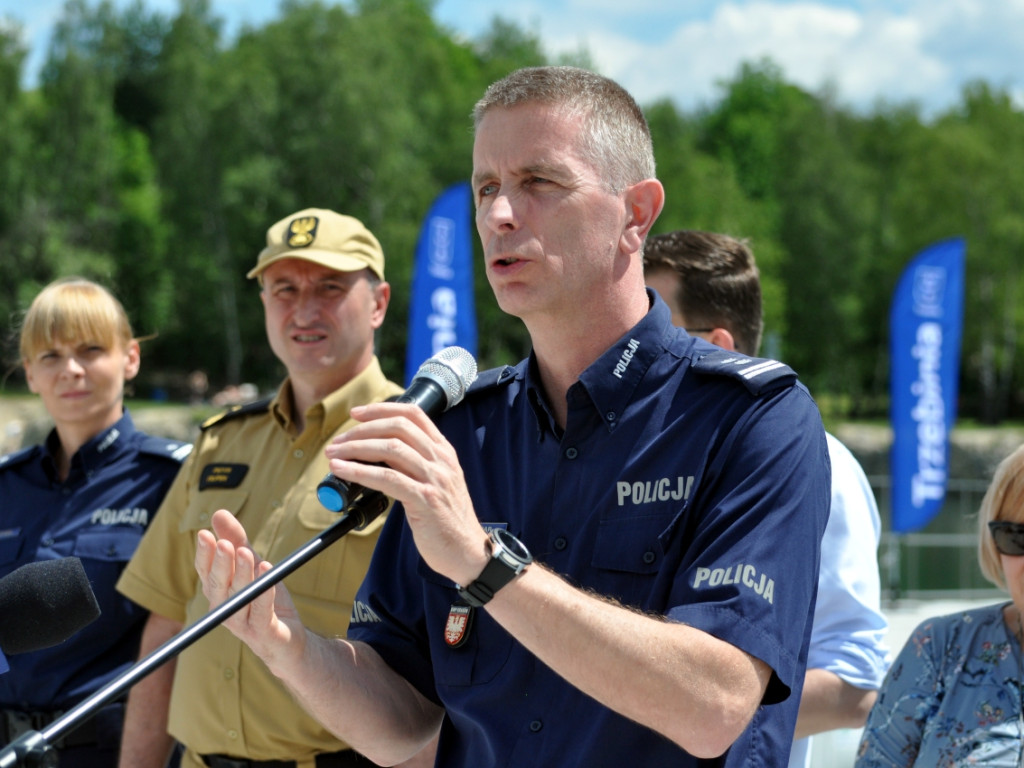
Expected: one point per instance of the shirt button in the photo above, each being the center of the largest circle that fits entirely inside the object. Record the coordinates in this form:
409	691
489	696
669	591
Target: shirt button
610	416
232	734
48	541
649	557
561	543
536	726
571	453
299	453
111	550
229	674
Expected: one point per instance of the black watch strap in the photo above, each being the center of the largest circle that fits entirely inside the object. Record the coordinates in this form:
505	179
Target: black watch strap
508	559
493	577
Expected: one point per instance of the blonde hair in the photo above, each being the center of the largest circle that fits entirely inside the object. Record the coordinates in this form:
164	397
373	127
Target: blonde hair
1004	500
73	309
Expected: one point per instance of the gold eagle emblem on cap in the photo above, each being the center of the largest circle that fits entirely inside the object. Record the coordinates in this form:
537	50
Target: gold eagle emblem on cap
302	231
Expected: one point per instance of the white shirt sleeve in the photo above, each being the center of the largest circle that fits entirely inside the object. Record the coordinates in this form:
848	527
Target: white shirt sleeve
848	634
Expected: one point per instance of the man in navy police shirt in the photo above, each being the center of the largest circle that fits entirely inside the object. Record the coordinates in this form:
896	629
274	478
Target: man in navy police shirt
633	515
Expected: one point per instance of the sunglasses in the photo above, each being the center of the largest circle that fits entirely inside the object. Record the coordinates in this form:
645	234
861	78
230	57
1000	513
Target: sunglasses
1008	537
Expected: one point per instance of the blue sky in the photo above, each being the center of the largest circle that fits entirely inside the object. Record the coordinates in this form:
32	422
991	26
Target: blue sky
866	50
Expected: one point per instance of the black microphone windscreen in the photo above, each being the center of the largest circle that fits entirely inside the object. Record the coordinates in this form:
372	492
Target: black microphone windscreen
43	604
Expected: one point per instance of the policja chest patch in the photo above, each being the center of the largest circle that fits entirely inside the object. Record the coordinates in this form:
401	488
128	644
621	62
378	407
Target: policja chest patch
222	475
460	621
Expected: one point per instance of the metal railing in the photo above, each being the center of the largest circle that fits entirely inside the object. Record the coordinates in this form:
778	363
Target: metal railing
940	562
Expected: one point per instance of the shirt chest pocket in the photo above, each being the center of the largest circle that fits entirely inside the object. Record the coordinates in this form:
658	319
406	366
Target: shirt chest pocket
204	503
330	580
324	586
628	555
485	648
115	545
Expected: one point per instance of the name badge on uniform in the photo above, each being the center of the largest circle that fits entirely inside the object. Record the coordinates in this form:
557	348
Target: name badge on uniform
222	476
460	620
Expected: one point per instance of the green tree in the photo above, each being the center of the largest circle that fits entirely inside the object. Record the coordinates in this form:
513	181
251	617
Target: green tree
791	153
884	141
94	201
15	150
154	155
703	192
964	177
185	93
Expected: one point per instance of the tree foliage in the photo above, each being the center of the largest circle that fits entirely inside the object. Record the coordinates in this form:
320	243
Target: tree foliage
154	153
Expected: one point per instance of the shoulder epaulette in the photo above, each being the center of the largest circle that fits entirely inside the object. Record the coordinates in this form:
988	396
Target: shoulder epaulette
238	411
757	374
166	448
18	457
491	378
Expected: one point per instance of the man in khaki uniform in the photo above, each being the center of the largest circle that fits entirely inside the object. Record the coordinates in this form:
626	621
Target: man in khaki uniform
324	295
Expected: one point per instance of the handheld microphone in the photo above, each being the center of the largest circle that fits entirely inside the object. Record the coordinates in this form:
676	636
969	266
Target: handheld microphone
440	383
44	603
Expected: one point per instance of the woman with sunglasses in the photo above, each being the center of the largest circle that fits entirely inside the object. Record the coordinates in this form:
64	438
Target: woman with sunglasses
88	491
955	695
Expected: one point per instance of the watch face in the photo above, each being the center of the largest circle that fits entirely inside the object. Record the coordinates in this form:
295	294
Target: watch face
512	544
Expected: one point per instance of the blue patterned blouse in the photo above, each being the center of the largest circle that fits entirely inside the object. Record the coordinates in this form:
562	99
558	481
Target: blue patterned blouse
952	698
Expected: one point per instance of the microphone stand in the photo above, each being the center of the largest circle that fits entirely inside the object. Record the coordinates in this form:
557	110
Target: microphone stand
34	749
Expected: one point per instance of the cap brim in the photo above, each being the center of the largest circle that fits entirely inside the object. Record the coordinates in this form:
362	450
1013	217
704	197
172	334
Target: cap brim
330	259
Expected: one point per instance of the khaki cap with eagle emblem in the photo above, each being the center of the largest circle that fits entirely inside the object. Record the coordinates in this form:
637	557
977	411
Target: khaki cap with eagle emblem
323	237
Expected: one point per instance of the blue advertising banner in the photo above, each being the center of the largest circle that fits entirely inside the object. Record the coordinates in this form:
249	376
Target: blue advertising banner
441	309
925	326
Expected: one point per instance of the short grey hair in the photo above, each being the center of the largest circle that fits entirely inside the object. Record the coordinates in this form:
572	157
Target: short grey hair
616	138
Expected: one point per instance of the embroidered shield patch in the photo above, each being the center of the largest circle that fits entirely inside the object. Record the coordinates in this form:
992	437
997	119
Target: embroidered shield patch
456	631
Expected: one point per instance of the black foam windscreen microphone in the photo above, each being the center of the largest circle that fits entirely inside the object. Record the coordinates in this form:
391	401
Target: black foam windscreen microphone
440	383
43	604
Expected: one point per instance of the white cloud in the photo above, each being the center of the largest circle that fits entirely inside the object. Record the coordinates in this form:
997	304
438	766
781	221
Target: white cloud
899	50
915	50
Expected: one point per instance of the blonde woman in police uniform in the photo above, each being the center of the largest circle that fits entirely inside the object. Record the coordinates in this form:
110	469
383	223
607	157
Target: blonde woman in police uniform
88	491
